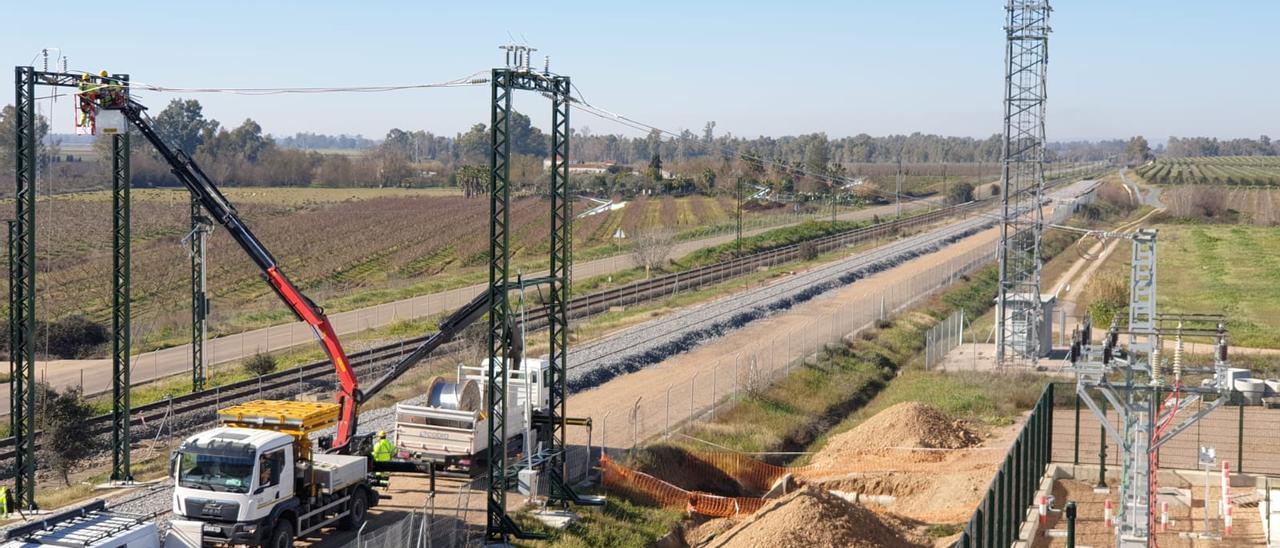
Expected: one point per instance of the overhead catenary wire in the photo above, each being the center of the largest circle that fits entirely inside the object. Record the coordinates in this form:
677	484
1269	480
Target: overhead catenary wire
473	79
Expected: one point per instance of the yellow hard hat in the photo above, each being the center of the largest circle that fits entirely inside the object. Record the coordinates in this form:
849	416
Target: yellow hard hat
84	77
382	433
102	73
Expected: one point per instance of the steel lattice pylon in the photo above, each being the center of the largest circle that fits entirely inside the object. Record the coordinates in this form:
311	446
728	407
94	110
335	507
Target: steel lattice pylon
200	228
497	524
23	275
1022	181
551	424
120	287
561	267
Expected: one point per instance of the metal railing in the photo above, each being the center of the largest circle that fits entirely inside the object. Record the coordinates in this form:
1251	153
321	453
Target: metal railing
999	516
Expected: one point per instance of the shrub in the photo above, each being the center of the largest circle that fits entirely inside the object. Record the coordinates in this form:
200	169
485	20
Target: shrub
960	193
67	439
808	251
70	338
260	364
75	336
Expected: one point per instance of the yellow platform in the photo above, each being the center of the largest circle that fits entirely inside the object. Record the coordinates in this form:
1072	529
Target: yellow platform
296	416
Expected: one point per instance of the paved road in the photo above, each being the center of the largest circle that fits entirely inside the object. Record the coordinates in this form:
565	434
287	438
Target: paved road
95	375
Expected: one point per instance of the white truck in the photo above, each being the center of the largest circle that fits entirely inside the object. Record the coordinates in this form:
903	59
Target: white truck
452	430
256	481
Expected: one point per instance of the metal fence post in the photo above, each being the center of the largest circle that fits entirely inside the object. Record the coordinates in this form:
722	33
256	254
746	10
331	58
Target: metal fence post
667	429
1102	449
1240	438
604	434
1001	505
1071	524
692	384
1075	456
989	506
976	537
715	370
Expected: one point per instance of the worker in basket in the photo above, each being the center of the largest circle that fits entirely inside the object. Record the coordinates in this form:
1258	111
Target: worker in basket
88	94
383	450
112	92
4	502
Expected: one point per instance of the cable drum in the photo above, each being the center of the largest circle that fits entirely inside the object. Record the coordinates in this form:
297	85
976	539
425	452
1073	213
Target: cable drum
464	396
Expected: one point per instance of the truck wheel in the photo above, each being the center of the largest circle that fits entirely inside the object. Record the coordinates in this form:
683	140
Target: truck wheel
282	536
359	509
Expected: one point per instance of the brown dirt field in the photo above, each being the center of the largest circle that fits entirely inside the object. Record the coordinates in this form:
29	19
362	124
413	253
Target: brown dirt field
812	517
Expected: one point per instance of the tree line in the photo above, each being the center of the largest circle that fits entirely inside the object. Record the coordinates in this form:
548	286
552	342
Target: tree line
1183	147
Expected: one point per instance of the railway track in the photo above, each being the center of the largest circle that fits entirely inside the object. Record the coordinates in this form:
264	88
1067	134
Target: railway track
203	405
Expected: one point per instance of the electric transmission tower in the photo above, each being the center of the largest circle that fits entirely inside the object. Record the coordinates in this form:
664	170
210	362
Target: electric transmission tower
1019	305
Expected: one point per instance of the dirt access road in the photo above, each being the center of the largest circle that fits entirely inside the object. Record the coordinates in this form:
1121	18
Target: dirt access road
95	375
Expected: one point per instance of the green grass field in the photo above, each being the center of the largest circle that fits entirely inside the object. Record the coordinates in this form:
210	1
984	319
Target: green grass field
1232	270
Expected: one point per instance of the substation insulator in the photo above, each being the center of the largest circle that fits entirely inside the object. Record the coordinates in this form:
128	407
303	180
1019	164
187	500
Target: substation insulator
1157	375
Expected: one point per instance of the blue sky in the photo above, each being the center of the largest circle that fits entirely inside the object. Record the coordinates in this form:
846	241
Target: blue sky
1117	68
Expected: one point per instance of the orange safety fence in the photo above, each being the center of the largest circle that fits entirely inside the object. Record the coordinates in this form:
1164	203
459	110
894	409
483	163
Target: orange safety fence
749	472
620	477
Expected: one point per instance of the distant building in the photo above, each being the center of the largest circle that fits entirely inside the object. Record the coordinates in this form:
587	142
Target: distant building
586	168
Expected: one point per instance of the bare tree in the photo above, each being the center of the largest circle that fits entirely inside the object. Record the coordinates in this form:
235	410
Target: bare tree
651	247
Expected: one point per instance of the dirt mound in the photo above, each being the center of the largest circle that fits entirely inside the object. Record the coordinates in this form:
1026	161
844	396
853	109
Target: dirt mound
812	517
907	424
940	497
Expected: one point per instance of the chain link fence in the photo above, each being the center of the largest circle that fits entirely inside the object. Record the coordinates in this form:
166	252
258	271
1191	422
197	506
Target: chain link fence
941	338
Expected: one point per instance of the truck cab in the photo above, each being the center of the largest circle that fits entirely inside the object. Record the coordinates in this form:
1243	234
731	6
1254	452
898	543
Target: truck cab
235	480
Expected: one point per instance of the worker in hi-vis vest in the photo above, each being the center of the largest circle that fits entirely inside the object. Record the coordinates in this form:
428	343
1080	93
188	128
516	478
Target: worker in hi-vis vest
383	450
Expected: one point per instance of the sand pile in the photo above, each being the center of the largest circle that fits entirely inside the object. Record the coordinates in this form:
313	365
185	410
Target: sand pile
907	424
812	517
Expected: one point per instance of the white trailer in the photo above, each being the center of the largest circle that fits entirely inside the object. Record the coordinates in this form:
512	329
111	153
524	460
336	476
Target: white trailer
453	430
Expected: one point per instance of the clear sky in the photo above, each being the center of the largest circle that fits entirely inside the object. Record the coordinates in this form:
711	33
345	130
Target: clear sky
1117	67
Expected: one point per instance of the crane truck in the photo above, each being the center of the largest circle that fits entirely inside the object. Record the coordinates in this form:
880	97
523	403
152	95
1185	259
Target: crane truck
258	479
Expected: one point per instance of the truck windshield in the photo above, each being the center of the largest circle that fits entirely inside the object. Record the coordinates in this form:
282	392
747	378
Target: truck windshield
215	472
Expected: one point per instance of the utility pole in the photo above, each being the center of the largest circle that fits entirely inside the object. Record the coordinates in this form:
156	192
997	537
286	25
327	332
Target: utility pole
197	239
737	245
897	194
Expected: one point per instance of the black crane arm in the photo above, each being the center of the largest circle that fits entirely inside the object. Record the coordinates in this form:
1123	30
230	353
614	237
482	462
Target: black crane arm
221	210
450	328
